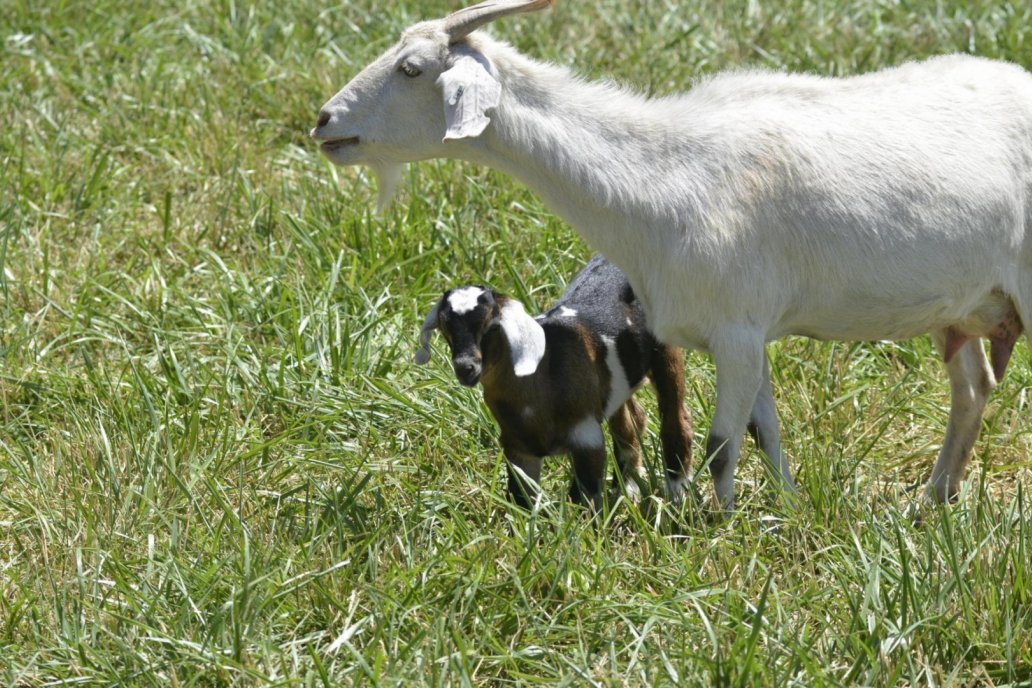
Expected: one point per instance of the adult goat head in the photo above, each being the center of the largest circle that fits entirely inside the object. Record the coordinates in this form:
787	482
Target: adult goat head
432	86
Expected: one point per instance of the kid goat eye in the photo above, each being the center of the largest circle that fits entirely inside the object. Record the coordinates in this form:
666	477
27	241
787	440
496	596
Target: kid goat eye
408	70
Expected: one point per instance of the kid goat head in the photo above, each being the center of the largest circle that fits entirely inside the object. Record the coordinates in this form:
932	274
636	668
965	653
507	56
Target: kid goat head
465	315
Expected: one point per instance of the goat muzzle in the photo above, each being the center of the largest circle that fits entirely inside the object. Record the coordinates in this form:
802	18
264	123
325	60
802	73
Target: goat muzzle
467	371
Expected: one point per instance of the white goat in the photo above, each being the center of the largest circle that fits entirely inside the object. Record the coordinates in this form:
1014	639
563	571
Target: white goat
754	206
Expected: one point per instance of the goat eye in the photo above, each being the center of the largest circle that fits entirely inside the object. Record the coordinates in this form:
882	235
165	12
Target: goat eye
408	70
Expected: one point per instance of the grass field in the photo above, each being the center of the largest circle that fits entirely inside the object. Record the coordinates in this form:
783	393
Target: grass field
218	465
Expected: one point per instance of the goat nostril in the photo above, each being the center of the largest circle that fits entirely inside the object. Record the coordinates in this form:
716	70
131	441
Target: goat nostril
466	369
324	119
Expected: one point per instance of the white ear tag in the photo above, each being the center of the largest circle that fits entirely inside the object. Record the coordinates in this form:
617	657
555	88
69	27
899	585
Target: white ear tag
526	338
469	90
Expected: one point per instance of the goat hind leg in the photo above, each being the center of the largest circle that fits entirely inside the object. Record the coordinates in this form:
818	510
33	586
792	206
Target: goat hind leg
626	426
667	377
971	382
763	426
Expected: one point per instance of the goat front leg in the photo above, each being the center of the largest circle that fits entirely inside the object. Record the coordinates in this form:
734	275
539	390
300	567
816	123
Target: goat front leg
524	476
739	360
763	426
588	449
971	382
626	425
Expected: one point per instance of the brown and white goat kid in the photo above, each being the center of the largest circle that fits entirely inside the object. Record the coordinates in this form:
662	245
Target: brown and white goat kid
550	381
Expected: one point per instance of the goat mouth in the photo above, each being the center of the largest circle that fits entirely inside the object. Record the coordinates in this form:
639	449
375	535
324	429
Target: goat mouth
337	144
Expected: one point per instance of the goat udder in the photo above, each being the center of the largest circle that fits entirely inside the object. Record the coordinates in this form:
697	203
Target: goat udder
1001	343
1002	339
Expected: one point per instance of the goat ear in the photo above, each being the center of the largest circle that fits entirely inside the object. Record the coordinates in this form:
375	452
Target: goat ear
526	338
429	325
469	91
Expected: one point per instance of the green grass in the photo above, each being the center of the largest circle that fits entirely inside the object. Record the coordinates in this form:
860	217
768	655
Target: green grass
218	465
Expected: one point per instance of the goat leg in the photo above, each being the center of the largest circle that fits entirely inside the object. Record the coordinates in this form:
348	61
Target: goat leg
524	476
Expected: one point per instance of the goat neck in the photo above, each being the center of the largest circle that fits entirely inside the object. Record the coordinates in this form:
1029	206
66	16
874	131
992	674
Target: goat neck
605	158
498	375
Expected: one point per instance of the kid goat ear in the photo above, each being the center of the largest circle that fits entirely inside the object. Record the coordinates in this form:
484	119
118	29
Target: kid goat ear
429	325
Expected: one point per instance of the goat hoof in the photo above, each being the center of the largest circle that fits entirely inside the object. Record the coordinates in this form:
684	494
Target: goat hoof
770	524
915	512
631	493
676	489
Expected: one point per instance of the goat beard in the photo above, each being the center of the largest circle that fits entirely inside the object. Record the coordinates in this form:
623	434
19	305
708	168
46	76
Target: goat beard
388	176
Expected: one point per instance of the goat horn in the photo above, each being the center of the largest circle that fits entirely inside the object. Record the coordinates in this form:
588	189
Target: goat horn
461	23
